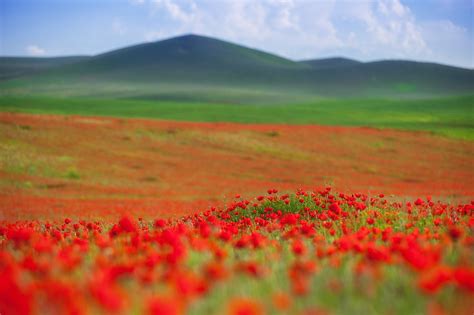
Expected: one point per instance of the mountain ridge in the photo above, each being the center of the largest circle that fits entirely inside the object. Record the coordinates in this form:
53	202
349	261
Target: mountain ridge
12	67
209	66
196	36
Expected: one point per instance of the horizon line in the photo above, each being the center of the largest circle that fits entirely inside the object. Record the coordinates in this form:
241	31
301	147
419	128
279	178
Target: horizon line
238	44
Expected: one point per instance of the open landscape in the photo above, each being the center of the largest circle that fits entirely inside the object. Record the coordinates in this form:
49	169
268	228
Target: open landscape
195	175
55	165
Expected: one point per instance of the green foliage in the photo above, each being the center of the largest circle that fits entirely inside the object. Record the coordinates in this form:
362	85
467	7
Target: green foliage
72	173
451	117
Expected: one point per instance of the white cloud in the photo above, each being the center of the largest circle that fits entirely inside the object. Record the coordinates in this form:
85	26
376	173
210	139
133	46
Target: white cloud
118	27
451	44
261	24
285	16
389	29
176	11
34	50
249	18
366	29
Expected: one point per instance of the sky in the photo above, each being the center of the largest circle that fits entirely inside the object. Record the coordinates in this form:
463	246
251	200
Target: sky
424	30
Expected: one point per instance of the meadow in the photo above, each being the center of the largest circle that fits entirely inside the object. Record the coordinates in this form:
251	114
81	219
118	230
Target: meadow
309	252
449	116
137	207
124	215
196	176
56	165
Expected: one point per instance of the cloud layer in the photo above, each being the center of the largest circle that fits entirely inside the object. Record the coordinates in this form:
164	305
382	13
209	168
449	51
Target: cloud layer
306	29
34	50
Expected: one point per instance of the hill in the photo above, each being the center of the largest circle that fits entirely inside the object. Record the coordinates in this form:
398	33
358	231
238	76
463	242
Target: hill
198	68
13	67
330	62
393	79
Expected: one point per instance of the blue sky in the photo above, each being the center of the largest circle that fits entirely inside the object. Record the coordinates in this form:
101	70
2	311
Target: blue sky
426	30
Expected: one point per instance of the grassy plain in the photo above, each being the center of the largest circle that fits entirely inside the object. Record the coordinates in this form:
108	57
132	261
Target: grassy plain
452	116
83	165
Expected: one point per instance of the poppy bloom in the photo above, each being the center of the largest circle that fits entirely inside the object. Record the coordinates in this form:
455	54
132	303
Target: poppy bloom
244	306
298	247
162	305
464	277
127	224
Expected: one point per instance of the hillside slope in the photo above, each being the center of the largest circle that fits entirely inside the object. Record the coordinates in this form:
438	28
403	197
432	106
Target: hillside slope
393	78
200	68
334	62
13	67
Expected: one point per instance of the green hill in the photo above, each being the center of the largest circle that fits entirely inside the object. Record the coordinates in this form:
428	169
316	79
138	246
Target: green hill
330	62
393	79
13	67
197	68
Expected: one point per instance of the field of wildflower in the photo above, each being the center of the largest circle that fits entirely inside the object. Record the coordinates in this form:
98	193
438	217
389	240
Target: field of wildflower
236	157
94	168
307	252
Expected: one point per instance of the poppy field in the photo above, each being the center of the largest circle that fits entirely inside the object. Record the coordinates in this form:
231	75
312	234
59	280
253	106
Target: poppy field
88	167
308	252
236	157
102	215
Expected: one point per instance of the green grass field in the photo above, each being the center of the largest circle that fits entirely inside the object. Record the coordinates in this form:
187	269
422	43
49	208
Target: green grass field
452	117
197	78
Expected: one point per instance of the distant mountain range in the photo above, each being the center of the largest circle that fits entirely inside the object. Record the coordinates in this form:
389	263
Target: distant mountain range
203	68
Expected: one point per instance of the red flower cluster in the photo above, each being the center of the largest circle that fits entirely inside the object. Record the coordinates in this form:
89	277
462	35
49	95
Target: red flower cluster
278	254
